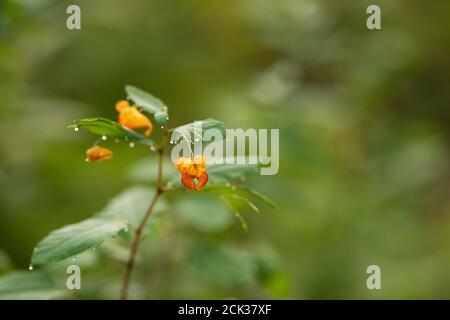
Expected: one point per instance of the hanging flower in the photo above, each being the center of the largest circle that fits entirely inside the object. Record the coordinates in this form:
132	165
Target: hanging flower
192	169
97	153
132	118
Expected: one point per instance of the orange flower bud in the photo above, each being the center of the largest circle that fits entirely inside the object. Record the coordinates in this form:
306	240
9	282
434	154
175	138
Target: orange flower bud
97	153
132	118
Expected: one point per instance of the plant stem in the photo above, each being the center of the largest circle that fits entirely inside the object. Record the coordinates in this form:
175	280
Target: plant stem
138	231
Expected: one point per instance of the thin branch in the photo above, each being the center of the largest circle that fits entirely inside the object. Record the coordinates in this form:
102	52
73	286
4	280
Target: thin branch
138	231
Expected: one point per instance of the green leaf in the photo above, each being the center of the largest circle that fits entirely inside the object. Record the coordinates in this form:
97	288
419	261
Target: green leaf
147	102
28	285
227	189
75	238
132	204
225	265
237	214
109	128
191	132
161	117
247	201
260	196
231	171
204	212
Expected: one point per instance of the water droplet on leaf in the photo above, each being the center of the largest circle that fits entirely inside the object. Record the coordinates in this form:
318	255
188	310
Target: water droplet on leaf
76	129
131	145
30	267
104	138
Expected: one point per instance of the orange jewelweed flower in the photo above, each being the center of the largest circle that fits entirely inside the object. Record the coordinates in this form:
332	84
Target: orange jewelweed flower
97	153
132	118
192	169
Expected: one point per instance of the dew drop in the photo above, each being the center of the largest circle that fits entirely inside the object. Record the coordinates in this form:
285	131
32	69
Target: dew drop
30	267
131	144
104	138
197	140
76	129
74	259
87	160
167	118
152	148
171	142
162	127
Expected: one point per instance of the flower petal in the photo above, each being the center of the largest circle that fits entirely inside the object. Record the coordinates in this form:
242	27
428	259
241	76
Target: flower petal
133	119
187	181
202	181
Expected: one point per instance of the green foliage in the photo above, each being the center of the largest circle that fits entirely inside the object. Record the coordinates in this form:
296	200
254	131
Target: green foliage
193	132
131	205
109	128
204	212
130	209
76	238
147	102
22	285
225	265
225	171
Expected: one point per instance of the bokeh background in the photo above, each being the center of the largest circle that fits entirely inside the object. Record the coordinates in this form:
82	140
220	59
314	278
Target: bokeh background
364	130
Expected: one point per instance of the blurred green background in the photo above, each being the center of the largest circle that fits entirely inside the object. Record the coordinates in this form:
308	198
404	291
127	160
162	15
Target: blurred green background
364	130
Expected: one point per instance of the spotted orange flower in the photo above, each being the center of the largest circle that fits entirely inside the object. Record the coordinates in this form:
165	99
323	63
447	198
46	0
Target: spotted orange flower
132	118
97	153
192	170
